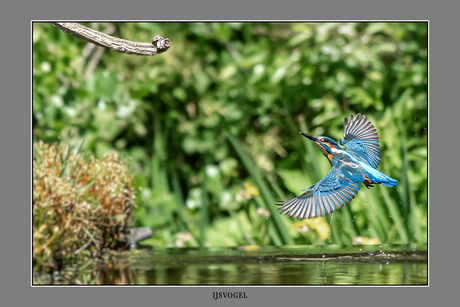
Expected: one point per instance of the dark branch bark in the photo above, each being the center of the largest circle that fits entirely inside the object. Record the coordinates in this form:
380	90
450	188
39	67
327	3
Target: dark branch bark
158	44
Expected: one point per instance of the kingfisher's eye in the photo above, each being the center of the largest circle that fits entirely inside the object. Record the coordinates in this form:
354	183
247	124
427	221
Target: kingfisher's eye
326	140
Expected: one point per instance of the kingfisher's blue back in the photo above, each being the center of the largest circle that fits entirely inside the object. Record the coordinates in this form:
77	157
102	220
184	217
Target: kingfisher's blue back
357	163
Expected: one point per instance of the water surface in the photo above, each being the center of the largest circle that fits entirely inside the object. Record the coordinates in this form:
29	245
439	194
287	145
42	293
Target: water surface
285	265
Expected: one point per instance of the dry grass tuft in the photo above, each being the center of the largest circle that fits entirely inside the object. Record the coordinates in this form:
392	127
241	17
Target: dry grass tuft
80	204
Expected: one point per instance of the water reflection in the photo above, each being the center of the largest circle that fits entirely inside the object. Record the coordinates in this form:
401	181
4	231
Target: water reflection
287	265
113	273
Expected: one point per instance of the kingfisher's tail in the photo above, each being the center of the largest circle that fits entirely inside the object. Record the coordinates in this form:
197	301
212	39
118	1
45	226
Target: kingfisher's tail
378	177
390	182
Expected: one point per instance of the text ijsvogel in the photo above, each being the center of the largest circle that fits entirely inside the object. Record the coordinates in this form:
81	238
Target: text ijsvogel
218	295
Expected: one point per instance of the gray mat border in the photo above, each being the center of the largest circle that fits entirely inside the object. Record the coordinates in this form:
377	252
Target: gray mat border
16	136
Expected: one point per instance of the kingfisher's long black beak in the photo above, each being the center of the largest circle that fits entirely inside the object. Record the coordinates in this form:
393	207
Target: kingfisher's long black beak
311	137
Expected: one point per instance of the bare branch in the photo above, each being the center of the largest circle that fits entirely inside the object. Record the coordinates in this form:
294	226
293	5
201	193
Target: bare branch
158	44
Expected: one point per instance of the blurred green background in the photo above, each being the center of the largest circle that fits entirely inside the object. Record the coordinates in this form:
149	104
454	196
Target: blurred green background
213	124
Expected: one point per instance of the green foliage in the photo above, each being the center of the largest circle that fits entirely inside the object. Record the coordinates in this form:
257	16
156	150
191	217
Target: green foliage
223	107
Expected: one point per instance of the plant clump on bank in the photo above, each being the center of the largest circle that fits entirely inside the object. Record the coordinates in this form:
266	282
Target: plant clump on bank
80	204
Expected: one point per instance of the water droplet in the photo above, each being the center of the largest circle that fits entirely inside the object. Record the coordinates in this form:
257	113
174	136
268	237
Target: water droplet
323	256
369	229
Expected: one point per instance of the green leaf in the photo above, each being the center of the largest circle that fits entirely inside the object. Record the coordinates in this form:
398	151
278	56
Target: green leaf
294	180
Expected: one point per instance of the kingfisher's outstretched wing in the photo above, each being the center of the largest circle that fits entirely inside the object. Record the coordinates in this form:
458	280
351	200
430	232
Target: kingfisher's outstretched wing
358	130
329	194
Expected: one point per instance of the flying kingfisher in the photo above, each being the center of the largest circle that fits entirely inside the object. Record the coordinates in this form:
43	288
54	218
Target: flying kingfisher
357	163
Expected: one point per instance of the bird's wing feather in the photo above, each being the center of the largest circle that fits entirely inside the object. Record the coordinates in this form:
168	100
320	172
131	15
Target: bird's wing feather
331	193
360	129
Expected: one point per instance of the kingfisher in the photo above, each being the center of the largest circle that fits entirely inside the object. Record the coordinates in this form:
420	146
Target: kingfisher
356	164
